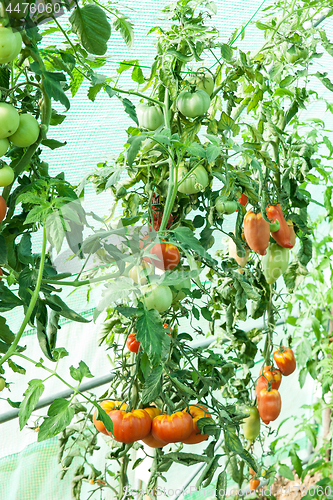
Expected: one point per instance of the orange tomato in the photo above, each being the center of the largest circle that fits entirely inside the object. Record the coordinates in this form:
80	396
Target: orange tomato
282	235
195	437
285	359
150	440
107	406
257	232
172	428
131	426
3	208
254	483
168	256
269	374
269	405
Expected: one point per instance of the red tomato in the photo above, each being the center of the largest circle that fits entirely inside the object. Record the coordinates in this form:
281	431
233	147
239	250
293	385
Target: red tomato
195	437
107	406
257	232
131	426
132	344
269	405
282	235
243	200
269	374
150	440
285	359
254	483
172	428
168	256
1	273
3	208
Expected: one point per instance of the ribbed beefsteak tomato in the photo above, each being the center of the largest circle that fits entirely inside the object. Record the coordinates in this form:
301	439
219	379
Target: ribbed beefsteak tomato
131	426
172	428
107	406
197	412
150	440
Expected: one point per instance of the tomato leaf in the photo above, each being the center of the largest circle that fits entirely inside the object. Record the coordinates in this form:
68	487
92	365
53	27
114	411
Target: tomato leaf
186	459
135	146
232	441
8	300
32	394
60	415
5	332
221	486
41	322
284	471
185	236
249	459
24	249
92	28
152	386
208	472
112	292
122	24
58	305
80	372
3	251
151	334
296	462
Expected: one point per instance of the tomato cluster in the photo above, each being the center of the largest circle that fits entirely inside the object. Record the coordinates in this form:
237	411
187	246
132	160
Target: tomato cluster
150	425
22	130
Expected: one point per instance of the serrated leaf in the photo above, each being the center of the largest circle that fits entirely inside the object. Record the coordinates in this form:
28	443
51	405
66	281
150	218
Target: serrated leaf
3	251
58	305
92	28
284	471
54	89
226	52
60	415
76	81
232	441
125	27
152	387
5	332
31	398
54	230
151	334
112	292
53	144
80	372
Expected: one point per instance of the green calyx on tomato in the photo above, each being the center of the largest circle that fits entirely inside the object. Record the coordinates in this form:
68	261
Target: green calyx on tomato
282	235
251	425
10	45
149	117
27	132
224	206
193	104
157	297
6	176
203	81
195	182
9	120
275	262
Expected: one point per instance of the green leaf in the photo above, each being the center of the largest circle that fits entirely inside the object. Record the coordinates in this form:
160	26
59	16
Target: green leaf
284	471
54	230
324	80
76	81
92	28
226	122
304	254
15	367
152	386
232	441
179	55
135	145
208	472
41	322
128	312
81	371
186	236
24	249
245	455
186	459
8	300
53	144
125	27
54	89
130	110
221	486
5	332
58	305
226	52
113	291
60	415
3	251
296	463
151	334
31	398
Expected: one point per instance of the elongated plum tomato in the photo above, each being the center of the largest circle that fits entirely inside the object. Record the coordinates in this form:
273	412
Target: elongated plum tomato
195	182
10	45
257	232
193	104
275	262
9	120
269	405
6	176
27	132
172	428
107	406
254	483
149	117
131	426
285	359
282	235
157	297
3	208
4	145
251	425
292	232
268	375
197	413
168	256
150	440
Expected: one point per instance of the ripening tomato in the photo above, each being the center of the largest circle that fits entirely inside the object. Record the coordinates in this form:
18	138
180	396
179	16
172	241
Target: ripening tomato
193	104
150	440
149	116
1	274
269	405
9	120
195	182
3	208
172	428
132	344
131	426
269	375
257	232
168	256
251	425
254	483
27	132
139	274
275	262
285	359
292	232
282	235
197	412
107	406
157	297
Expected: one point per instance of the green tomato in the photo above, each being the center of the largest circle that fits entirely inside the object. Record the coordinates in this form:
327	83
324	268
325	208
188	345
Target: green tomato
2	384
224	206
150	117
251	425
10	45
294	54
195	182
9	120
4	145
27	132
275	262
193	105
157	297
6	176
204	82
180	295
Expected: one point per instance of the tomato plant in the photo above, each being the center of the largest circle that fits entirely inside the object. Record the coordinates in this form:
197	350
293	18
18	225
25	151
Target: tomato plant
285	359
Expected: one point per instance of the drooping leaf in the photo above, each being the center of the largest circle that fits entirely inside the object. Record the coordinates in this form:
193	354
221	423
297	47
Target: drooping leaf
31	398
58	305
92	28
152	386
60	415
